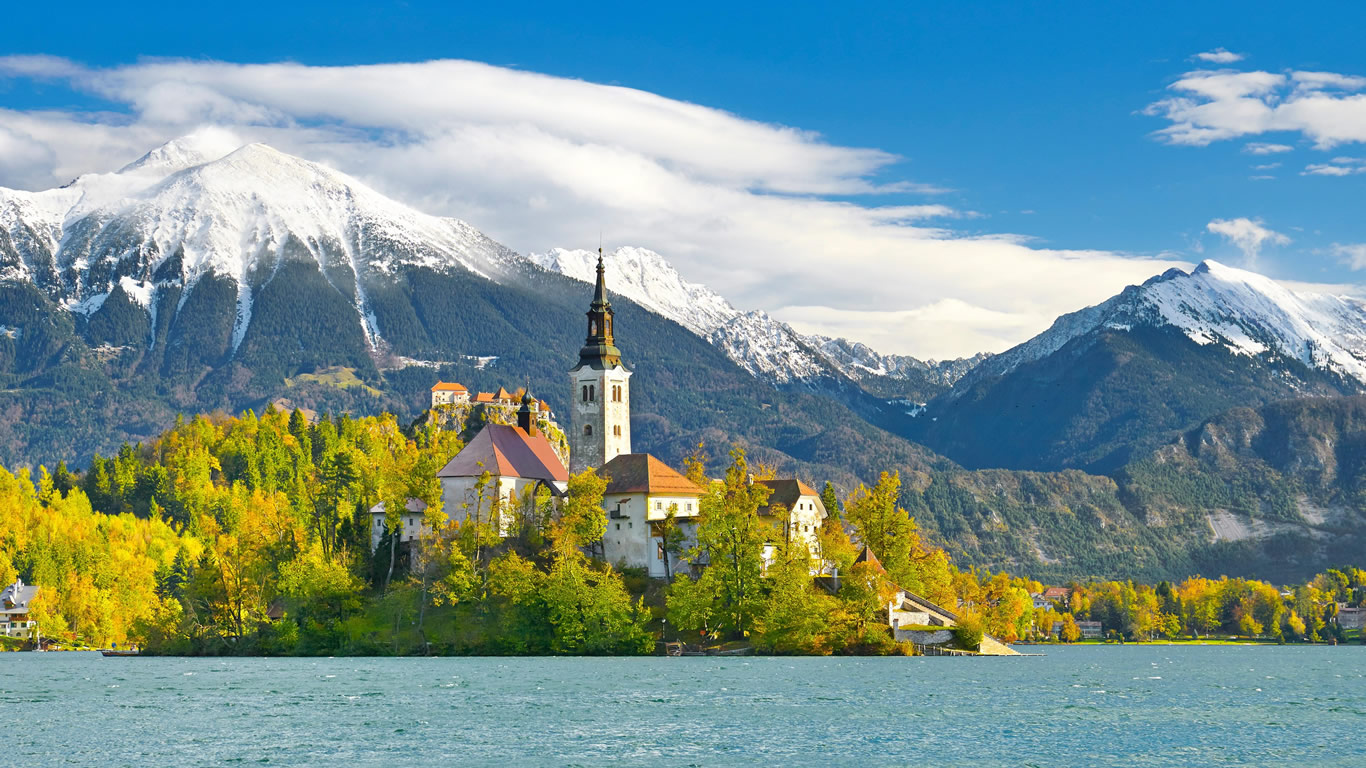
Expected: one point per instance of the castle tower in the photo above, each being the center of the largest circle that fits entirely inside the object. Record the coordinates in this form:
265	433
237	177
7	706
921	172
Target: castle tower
600	391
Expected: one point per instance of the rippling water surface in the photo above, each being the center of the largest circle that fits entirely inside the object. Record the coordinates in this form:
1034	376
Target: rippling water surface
1090	706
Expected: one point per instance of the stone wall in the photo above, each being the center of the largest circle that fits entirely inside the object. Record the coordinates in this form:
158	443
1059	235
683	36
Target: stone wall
923	637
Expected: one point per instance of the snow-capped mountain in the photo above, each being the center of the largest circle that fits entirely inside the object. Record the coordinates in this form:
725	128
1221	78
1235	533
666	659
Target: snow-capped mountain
649	280
1112	381
768	348
1247	313
203	206
858	359
197	207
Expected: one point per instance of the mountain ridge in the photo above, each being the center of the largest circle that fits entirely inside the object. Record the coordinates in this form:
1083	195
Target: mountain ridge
341	297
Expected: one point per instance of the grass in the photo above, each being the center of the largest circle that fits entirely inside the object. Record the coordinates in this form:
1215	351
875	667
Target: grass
334	376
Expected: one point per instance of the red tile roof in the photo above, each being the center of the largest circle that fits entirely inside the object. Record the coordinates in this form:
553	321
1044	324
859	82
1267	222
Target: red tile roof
867	556
507	452
643	473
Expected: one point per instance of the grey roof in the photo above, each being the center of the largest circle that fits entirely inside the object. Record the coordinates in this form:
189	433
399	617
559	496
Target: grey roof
16	597
413	505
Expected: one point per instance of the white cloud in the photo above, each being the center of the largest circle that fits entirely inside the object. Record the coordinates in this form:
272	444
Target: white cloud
982	328
1216	105
767	214
1247	235
1220	56
1266	167
1353	254
1338	166
1262	148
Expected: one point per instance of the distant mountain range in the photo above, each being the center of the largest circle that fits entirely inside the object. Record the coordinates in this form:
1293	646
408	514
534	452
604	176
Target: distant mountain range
769	349
1108	382
1200	421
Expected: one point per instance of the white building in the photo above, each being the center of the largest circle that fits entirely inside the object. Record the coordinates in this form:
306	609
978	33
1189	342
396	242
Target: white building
600	391
641	493
518	460
15	601
449	393
410	522
797	513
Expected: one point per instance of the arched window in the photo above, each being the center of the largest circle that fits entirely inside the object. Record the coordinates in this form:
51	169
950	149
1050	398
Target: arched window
587	430
592	392
585	393
592	327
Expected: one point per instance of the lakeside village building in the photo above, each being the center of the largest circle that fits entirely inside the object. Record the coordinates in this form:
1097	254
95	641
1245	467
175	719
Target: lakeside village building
14	610
642	491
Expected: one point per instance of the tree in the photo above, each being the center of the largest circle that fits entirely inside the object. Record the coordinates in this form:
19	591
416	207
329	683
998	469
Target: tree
1070	632
590	610
796	616
582	521
830	501
690	603
730	541
886	528
672	539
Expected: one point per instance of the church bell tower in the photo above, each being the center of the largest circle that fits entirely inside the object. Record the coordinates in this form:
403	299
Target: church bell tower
600	390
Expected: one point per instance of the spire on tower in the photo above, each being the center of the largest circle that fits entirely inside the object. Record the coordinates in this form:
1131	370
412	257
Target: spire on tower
599	349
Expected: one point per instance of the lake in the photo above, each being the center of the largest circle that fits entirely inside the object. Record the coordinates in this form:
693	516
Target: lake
1084	706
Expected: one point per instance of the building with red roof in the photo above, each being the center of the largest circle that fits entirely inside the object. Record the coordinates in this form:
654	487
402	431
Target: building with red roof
449	393
642	492
519	460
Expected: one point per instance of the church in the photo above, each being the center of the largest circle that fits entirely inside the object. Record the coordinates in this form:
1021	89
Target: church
505	463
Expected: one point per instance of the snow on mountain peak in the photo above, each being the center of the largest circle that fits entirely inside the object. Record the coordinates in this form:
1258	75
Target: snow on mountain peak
649	280
210	206
201	146
768	348
1245	312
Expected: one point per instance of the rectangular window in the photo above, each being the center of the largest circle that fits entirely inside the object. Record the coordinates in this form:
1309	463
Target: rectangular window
618	526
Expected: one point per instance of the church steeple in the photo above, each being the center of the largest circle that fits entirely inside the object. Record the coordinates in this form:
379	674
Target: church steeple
599	349
599	390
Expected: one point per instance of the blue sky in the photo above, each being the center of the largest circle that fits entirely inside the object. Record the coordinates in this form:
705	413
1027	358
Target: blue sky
1035	120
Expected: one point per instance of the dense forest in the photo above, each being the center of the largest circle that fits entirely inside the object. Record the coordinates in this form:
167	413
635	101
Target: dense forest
250	535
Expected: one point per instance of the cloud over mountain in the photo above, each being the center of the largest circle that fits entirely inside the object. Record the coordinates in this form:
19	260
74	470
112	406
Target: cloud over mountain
776	214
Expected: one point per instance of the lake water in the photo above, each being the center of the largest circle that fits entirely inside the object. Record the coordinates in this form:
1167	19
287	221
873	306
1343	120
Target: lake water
1086	706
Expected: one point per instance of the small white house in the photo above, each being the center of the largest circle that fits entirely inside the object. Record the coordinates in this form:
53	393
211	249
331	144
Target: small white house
798	513
15	601
449	393
518	461
410	522
641	493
